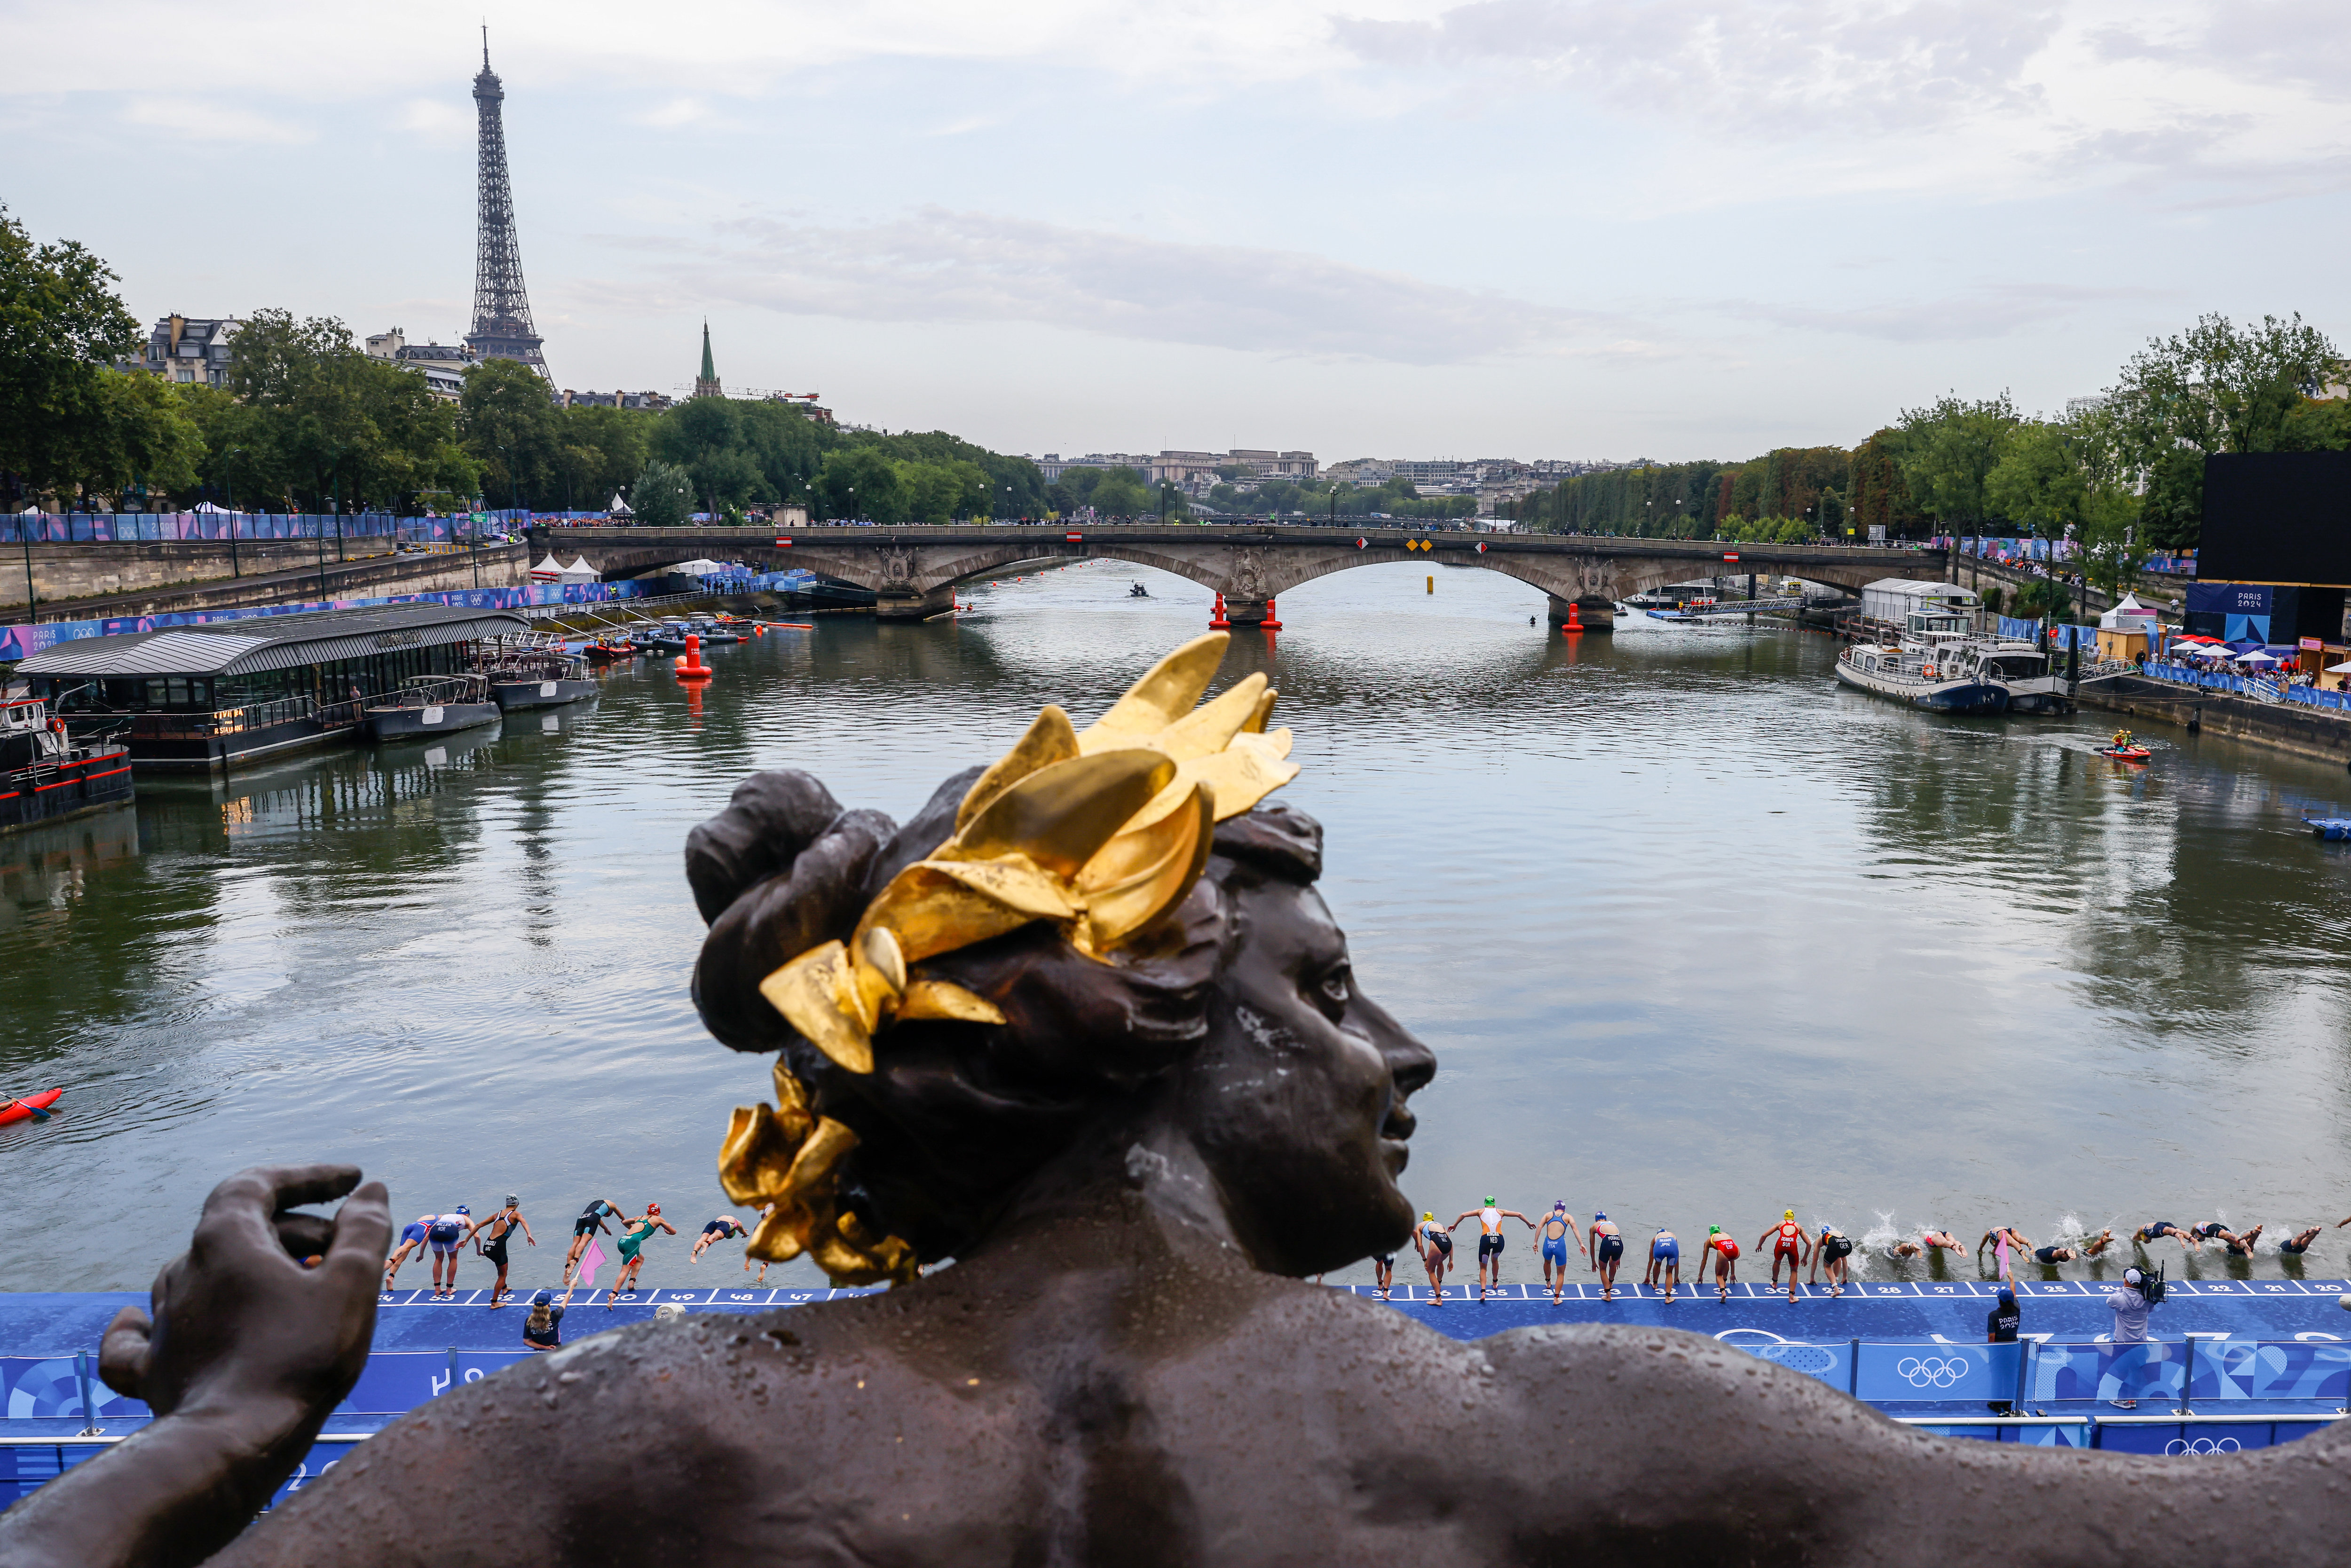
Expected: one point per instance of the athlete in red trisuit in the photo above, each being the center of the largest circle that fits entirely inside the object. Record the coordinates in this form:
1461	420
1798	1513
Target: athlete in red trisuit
1788	1240
1725	1253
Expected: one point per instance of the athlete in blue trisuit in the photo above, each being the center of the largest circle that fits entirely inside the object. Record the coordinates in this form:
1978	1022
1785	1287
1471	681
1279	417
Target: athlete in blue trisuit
1551	1239
1435	1245
1607	1251
1489	1238
1665	1263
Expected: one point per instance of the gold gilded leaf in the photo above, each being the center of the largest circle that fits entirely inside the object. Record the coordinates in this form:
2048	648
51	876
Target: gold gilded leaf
1240	776
1264	714
1206	728
946	999
1275	745
809	1181
1138	876
757	1155
1049	739
932	913
1161	697
793	1111
782	1237
1059	816
814	994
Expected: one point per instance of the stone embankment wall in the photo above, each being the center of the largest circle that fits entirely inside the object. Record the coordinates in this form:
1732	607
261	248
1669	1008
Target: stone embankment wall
2315	733
90	581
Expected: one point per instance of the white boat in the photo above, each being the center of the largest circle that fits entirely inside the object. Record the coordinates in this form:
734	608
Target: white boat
1916	677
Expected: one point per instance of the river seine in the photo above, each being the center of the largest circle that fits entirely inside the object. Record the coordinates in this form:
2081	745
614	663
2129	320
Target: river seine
1695	934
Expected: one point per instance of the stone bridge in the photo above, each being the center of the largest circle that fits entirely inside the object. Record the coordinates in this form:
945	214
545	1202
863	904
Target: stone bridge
913	570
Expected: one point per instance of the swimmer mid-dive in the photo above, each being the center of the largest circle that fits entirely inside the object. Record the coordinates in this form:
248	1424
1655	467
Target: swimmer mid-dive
2297	1244
2155	1230
1787	1239
411	1239
1929	1241
1552	1237
1489	1238
2242	1246
1607	1251
2003	1240
726	1227
1724	1251
2054	1254
1665	1263
2095	1246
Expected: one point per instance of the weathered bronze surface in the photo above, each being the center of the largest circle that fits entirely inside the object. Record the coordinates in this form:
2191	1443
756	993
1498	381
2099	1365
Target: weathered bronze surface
1133	1156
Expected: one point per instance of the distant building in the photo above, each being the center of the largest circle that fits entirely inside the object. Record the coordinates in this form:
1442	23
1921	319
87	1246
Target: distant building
1054	466
191	350
1432	471
706	383
652	402
2077	406
442	365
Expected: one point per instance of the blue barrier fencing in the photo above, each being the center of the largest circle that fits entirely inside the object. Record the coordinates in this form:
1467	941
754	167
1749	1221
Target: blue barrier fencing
198	527
2258	686
21	641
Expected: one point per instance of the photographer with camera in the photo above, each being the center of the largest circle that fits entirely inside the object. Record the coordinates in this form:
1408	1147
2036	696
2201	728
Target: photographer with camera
2129	1303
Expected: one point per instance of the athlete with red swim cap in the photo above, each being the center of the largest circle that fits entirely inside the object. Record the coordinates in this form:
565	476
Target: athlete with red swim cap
1788	1240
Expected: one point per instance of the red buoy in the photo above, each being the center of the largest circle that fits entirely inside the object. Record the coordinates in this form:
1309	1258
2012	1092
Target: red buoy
1217	622
1574	622
1269	623
690	667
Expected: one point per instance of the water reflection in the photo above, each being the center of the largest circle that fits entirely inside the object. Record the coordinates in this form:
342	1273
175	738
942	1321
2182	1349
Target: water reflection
1696	934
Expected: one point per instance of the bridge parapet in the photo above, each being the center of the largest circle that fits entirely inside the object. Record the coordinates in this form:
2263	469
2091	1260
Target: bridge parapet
914	569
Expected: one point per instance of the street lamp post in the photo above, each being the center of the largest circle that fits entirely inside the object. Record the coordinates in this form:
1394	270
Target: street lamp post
229	479
24	532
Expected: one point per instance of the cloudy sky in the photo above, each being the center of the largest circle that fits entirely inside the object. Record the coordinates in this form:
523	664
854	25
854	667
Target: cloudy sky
1570	228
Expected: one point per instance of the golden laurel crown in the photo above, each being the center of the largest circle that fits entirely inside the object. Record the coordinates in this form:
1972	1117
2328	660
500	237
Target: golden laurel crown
1099	831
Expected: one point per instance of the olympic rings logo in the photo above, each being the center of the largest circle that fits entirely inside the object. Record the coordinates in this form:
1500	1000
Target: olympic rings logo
2202	1448
1921	1374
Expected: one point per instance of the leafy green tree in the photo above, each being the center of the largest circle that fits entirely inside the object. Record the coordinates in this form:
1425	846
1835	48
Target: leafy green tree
2317	426
514	431
600	451
1122	493
2038	483
1948	450
60	321
862	482
663	497
2214	388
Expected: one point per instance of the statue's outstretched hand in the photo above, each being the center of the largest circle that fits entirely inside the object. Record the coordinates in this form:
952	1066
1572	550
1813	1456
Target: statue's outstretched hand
241	1323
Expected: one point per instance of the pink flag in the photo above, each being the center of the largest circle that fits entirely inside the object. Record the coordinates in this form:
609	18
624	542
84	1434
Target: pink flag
590	1262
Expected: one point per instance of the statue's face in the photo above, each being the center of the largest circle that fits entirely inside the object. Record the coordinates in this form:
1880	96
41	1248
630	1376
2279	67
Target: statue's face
1297	1098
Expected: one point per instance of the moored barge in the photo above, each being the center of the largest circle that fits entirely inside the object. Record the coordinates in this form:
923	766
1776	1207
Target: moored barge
46	773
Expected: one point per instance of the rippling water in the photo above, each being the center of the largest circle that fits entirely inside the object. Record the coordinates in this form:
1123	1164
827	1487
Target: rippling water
1695	934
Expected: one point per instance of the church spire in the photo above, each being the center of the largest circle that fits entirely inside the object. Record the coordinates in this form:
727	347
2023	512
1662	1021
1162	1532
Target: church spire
706	383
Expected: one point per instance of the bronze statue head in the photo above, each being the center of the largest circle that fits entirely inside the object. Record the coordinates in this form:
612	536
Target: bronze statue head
1101	942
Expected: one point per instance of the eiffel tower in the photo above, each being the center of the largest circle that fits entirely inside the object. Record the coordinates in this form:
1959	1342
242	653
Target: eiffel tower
502	324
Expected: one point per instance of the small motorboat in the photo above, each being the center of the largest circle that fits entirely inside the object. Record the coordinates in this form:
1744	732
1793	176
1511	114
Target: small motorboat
606	650
1138	592
30	1106
2126	753
2329	827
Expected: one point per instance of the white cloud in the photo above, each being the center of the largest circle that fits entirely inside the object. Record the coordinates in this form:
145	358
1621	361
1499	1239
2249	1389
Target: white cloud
438	123
942	266
1994	310
204	119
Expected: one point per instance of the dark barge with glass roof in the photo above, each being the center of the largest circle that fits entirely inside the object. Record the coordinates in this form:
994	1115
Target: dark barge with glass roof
196	698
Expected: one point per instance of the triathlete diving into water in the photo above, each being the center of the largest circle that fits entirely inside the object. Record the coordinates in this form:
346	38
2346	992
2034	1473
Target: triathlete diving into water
1435	1245
1829	1254
1787	1241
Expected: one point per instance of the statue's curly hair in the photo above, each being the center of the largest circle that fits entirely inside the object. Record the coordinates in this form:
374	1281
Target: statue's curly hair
956	1115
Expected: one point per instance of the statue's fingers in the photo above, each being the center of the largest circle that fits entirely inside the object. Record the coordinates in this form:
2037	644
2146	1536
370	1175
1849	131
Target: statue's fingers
767	821
304	1235
362	1240
242	1209
123	1354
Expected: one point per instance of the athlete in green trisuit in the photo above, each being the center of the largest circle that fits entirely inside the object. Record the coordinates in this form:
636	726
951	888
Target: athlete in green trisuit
633	1236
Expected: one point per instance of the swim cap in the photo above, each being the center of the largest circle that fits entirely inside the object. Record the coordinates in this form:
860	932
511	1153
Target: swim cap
1714	1230
652	1208
543	1298
463	1209
512	1201
1560	1204
1599	1217
1490	1197
1429	1213
1788	1214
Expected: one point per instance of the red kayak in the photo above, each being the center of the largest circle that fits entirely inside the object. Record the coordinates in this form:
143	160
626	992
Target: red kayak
22	1110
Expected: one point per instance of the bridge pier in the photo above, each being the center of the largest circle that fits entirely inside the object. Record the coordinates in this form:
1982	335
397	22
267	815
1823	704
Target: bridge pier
899	605
1594	611
1240	613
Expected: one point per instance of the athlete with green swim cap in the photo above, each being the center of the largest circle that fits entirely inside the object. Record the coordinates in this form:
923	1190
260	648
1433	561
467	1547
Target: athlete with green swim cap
1725	1253
1489	1238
